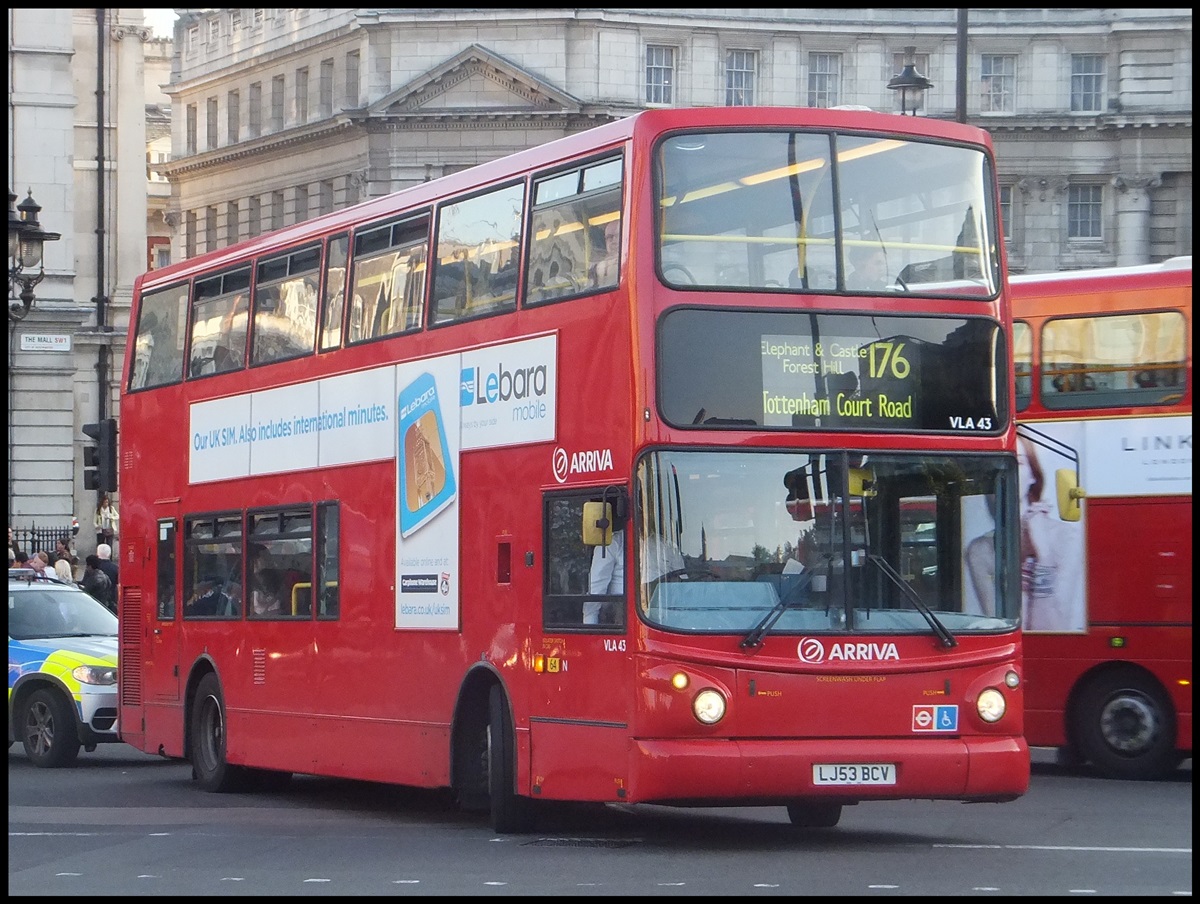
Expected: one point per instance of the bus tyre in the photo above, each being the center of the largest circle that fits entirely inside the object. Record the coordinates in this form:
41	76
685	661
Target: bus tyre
48	730
1124	726
511	813
814	815
208	740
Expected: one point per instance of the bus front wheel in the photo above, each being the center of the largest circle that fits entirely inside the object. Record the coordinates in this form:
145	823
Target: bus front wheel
1123	725
511	813
207	740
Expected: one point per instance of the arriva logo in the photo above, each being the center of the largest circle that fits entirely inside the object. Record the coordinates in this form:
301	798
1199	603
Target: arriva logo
812	650
590	461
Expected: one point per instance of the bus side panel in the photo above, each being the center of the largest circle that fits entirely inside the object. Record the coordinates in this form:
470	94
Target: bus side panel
1139	611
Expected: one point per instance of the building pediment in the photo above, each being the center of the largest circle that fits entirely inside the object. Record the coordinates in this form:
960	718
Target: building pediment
478	81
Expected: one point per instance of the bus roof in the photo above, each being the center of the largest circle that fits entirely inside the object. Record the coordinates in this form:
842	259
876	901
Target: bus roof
1174	264
606	136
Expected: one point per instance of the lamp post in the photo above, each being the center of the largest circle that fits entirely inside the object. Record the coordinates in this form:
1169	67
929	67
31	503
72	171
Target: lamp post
909	83
26	241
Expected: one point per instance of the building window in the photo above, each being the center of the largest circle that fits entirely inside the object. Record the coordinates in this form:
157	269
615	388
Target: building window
233	116
1087	83
214	30
1006	206
824	79
740	68
162	255
325	88
276	210
1084	206
231	223
254	216
210	228
277	103
257	16
211	123
326	200
920	62
189	234
254	124
352	59
302	95
235	20
301	203
192	40
660	74
192	128
998	78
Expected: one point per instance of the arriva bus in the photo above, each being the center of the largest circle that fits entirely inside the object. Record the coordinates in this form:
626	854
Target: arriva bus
593	474
1104	367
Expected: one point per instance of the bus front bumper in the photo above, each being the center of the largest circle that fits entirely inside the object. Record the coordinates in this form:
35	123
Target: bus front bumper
717	772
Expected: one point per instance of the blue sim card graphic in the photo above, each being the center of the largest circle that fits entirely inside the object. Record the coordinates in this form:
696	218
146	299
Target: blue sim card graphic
426	483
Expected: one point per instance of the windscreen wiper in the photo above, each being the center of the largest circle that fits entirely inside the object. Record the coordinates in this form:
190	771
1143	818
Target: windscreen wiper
754	638
943	633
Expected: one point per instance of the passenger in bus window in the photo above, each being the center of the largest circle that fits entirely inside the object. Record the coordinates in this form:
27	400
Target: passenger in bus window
266	584
604	271
869	268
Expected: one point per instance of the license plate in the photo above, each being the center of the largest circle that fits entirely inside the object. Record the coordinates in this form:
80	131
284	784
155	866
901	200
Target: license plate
854	773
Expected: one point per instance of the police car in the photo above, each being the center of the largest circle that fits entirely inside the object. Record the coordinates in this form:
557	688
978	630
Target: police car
62	669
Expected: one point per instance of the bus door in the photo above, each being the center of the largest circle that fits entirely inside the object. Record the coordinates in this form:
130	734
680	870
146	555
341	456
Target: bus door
583	660
160	654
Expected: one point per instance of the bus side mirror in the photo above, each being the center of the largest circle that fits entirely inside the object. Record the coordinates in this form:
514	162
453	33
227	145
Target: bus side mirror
862	482
1069	493
597	523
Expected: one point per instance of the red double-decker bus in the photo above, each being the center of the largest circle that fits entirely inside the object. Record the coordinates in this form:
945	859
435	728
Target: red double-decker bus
669	462
1104	369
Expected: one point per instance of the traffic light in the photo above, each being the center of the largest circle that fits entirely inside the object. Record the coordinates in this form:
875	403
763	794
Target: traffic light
100	460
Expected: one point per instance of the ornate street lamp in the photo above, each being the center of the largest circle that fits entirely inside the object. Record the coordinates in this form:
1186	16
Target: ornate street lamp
26	240
909	83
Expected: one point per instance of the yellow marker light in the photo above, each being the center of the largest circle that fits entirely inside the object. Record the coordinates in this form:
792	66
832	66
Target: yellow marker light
679	681
539	662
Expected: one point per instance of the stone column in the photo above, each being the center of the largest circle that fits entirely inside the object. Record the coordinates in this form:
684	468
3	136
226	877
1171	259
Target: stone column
127	112
1133	218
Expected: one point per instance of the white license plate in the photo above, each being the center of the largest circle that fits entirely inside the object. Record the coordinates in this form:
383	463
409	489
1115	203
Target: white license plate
854	773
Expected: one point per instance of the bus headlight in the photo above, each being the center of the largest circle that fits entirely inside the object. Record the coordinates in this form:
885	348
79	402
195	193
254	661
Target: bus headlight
709	706
991	705
94	674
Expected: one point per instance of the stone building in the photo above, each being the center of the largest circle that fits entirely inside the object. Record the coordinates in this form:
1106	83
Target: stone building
277	115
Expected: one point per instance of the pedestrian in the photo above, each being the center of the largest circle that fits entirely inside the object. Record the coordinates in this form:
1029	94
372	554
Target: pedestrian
20	559
96	583
109	567
62	548
62	568
106	521
41	561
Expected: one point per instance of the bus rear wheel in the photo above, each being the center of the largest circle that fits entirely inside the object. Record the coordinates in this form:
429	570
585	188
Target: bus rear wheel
1123	725
511	813
814	815
207	740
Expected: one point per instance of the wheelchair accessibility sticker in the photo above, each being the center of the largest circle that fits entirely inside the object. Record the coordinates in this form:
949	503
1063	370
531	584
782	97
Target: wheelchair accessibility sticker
935	718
